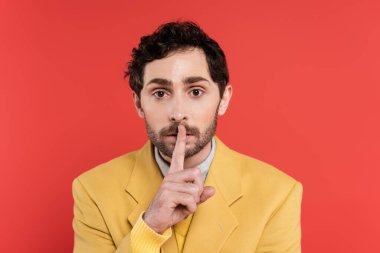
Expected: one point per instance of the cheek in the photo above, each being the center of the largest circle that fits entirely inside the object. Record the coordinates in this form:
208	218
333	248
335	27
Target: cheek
204	113
156	116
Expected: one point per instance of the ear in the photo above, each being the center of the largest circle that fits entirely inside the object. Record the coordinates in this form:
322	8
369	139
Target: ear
137	102
223	105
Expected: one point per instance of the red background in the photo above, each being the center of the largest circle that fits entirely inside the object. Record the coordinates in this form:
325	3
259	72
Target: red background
306	99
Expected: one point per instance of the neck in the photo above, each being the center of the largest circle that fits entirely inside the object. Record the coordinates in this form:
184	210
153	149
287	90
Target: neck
194	160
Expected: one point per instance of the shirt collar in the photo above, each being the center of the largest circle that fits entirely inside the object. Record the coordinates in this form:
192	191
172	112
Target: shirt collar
203	166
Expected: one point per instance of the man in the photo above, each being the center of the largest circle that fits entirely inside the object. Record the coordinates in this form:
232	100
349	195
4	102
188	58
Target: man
184	191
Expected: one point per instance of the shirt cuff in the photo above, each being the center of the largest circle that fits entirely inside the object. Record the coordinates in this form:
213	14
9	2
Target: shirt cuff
146	240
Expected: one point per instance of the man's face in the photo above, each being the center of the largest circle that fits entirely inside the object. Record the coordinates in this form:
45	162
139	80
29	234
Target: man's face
177	90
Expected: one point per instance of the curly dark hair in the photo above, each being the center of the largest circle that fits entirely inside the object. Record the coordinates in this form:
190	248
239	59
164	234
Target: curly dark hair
174	36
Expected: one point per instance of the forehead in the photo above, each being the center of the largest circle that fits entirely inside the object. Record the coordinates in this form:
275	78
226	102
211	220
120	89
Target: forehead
178	65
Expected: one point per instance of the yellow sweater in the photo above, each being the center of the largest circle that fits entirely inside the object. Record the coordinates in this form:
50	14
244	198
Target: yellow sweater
146	240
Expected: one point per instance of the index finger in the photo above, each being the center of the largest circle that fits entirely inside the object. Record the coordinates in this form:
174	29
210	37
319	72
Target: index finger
178	156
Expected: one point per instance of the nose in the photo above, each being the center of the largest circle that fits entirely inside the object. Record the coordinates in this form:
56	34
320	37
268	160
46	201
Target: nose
178	113
177	117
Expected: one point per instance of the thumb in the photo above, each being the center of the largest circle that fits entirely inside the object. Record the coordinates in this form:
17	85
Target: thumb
208	192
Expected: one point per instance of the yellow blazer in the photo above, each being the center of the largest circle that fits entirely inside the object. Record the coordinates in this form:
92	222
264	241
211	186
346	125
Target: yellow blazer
256	208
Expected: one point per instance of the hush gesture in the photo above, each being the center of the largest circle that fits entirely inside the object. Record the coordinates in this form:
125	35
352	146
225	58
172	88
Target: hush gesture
180	193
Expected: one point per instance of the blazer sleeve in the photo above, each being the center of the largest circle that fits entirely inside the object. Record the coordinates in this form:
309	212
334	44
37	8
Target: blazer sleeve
282	234
92	235
90	230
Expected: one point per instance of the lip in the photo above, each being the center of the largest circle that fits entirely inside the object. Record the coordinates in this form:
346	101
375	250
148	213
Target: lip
173	137
175	134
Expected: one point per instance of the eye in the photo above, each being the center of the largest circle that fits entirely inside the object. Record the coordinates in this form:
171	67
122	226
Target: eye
196	92
159	94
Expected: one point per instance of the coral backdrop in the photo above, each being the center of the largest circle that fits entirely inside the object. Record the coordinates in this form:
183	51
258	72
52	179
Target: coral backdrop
306	99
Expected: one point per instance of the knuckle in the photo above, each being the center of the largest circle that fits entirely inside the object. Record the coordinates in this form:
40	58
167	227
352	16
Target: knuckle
194	188
190	199
193	208
196	199
197	172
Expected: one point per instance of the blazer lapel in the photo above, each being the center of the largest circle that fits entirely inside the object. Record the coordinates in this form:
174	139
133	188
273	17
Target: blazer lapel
143	186
213	222
144	181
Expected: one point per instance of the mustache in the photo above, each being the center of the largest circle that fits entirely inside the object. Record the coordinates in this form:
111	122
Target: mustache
173	130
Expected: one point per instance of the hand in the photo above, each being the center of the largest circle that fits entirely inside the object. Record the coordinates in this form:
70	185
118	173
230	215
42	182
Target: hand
180	192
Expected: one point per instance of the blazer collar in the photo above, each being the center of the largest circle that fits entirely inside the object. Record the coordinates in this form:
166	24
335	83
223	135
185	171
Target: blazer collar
213	220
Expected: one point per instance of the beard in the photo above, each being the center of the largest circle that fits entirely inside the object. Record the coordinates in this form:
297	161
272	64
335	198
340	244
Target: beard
202	139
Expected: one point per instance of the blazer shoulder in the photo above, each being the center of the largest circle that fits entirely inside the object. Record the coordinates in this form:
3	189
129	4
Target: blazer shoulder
266	170
263	176
263	181
115	171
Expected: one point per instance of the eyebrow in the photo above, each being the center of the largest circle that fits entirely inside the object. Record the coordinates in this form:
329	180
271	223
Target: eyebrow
187	80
